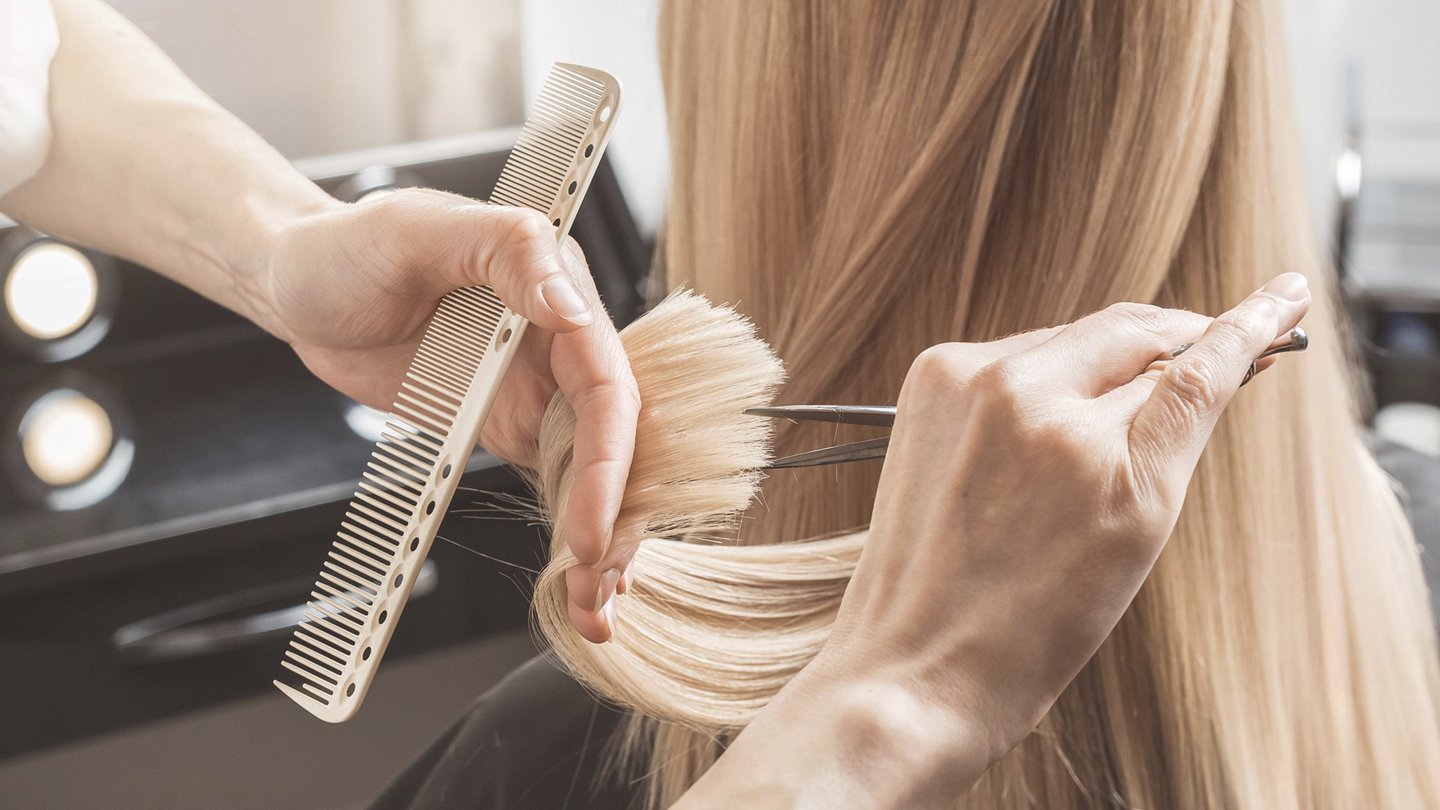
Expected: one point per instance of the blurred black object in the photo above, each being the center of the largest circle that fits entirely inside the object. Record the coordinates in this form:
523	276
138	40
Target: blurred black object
164	595
1391	277
1387	253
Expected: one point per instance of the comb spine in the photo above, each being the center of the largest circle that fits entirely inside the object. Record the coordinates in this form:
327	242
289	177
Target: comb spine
356	607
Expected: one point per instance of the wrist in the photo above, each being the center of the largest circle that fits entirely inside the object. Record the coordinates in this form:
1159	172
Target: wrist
829	741
261	218
939	749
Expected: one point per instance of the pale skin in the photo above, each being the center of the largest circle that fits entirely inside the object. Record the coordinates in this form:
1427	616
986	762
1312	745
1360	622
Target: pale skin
144	165
972	609
945	654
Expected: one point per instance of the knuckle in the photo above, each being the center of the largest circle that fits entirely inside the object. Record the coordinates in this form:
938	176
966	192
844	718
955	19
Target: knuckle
1253	323
934	376
1143	317
997	392
936	366
523	226
520	254
1196	384
1004	378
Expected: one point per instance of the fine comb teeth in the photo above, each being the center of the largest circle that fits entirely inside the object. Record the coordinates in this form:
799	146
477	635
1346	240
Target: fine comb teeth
435	422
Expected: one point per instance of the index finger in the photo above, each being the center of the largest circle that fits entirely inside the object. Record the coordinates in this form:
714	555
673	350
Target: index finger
1185	401
593	372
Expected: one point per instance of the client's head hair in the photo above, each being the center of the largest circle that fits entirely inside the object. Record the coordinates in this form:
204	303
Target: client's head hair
865	179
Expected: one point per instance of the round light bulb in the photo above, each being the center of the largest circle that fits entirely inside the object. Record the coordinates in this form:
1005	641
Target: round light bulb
65	437
51	291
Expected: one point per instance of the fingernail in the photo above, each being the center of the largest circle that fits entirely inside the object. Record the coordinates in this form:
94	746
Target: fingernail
564	298
627	579
605	594
1290	286
610	618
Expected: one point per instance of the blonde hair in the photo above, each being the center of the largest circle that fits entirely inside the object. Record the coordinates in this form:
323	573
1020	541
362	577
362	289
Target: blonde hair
863	180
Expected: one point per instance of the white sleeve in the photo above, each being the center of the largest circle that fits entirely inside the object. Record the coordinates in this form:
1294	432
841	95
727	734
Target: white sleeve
28	38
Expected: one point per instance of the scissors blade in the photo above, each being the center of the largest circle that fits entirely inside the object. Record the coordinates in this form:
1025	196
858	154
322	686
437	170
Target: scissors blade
839	454
873	415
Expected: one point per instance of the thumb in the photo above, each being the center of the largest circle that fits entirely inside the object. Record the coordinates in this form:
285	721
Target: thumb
1185	400
445	241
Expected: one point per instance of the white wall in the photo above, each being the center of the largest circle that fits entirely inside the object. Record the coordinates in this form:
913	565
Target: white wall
1394	48
619	37
322	76
1396	44
1315	35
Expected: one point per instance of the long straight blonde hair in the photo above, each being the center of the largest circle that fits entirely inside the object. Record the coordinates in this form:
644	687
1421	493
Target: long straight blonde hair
868	178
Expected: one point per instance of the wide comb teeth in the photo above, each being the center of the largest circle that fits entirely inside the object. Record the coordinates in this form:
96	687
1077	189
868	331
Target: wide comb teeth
442	404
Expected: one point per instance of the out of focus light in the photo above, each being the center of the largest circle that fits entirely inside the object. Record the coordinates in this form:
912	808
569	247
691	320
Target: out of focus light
74	451
376	193
1413	424
51	290
365	421
65	437
1348	172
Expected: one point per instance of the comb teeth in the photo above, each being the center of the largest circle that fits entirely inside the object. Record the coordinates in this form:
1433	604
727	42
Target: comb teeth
439	410
552	136
358	579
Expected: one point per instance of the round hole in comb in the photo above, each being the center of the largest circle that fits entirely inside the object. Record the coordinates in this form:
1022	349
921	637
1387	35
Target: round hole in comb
505	336
445	471
350	690
555	222
605	113
430	508
384	614
573	185
589	149
399	578
414	543
365	656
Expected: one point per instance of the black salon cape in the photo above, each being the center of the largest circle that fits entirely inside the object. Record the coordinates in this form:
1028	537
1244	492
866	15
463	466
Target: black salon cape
536	740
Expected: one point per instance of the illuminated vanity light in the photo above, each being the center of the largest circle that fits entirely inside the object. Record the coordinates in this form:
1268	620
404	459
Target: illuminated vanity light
51	290
65	437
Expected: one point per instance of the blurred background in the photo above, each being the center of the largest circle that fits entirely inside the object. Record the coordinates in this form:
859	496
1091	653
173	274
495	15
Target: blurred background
170	476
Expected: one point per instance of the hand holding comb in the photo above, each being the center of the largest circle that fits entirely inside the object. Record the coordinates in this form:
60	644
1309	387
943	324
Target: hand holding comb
437	417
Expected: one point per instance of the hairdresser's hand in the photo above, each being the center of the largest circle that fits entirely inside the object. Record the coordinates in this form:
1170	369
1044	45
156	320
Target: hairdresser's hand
352	287
1029	487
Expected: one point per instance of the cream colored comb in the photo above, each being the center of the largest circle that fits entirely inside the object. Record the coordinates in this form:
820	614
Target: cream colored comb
436	420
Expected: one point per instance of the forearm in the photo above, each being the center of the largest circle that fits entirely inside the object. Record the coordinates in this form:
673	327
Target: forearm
827	744
144	165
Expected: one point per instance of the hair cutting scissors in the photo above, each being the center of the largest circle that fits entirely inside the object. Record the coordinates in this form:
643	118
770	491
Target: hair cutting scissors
1296	340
